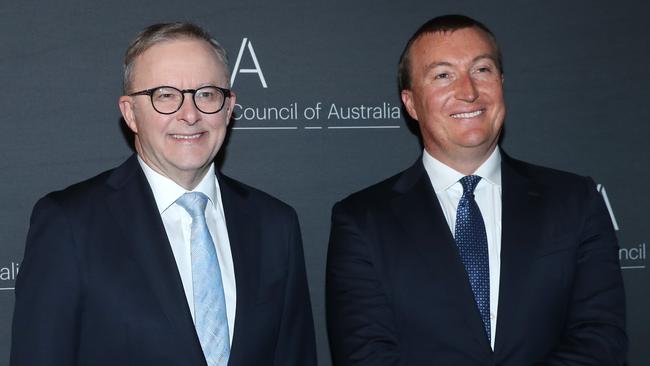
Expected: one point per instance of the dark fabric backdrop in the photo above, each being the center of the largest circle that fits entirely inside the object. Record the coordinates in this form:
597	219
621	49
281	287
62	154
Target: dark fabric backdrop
576	91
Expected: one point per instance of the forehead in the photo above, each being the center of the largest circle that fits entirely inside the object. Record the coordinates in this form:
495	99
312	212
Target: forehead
456	46
179	61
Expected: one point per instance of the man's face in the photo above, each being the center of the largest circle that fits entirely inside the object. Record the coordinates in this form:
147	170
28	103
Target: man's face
182	145
456	94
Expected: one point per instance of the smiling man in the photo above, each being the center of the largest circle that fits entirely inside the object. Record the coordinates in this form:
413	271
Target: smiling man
470	257
163	260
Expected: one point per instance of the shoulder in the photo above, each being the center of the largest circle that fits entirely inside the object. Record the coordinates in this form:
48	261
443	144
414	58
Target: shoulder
236	192
381	194
560	189
79	194
91	192
375	193
61	218
544	177
264	215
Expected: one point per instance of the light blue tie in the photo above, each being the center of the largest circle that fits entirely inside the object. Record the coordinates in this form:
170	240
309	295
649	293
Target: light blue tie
471	240
210	317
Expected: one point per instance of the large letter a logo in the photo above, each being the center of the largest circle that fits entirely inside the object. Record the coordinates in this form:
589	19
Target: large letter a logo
257	70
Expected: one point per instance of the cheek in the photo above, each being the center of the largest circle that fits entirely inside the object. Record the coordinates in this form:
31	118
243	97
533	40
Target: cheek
494	91
219	123
157	124
499	107
155	137
435	129
436	101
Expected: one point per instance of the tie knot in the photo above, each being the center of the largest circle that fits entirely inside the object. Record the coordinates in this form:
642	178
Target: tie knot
469	183
194	203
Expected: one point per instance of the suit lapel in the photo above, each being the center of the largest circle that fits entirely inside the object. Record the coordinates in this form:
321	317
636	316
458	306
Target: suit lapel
521	229
244	236
133	206
418	211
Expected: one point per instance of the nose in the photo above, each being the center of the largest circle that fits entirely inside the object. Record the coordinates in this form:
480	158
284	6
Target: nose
466	89
188	111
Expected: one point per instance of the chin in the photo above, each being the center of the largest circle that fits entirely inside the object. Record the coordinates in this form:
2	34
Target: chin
473	141
190	165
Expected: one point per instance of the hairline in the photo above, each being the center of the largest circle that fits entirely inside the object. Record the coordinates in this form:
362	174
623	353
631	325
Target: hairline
130	59
404	70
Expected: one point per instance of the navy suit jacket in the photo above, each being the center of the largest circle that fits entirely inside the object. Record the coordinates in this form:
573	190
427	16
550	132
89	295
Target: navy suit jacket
99	283
398	293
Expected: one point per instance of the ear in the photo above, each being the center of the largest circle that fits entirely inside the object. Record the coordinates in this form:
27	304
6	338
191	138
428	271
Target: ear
407	99
230	106
126	107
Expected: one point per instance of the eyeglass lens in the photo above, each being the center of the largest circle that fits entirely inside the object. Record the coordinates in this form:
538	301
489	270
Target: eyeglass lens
207	99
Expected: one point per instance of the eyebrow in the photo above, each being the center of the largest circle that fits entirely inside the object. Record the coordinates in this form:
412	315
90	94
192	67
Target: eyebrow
485	56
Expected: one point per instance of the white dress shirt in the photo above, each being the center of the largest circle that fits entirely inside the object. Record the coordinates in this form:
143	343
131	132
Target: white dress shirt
178	225
446	183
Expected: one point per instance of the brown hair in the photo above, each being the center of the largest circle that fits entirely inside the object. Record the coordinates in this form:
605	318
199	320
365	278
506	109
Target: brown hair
444	23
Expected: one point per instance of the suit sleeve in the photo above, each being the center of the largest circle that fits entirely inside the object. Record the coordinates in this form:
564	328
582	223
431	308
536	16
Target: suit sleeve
296	344
48	290
595	331
360	321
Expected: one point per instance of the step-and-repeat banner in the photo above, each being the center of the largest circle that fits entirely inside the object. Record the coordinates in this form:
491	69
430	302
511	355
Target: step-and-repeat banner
318	113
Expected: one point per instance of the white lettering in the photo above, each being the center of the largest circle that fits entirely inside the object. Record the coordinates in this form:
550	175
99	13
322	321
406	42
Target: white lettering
603	193
364	112
284	113
630	254
9	273
257	70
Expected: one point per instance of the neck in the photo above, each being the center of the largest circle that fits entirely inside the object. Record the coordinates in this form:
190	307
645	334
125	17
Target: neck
466	163
188	179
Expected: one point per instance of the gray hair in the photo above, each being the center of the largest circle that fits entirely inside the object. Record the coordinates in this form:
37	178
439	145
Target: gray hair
163	32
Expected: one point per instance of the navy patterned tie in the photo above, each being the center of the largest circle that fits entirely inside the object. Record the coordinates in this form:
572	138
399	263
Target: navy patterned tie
210	317
471	240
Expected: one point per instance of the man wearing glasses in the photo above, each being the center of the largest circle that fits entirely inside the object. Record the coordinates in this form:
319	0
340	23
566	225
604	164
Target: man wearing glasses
163	260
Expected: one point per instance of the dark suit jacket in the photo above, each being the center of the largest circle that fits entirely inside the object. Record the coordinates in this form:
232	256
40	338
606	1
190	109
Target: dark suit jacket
398	294
99	284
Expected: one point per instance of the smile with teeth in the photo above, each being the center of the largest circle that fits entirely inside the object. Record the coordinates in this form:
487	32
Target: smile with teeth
187	137
467	114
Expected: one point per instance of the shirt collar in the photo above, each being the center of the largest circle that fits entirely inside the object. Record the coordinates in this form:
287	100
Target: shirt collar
490	170
166	191
442	176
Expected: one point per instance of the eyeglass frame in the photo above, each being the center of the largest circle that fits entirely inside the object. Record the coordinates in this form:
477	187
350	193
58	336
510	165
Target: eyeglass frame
226	94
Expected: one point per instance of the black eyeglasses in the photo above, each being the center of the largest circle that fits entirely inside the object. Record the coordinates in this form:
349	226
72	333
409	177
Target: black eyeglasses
167	99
